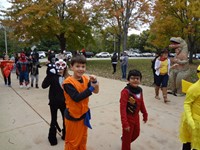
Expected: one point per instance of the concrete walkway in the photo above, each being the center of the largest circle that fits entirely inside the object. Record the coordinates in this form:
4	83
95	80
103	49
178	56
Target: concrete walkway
25	117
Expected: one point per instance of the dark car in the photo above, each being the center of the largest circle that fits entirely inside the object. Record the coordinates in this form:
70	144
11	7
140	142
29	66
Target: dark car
89	54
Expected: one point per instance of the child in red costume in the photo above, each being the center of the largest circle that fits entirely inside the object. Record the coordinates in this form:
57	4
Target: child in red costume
23	67
131	102
6	67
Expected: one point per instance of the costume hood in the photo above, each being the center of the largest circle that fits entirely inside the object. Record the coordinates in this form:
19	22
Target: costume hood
22	56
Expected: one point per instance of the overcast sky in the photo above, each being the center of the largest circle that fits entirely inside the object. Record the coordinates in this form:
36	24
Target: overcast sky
4	4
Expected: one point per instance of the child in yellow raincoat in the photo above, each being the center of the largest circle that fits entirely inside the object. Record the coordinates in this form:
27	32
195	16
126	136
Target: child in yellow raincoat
190	123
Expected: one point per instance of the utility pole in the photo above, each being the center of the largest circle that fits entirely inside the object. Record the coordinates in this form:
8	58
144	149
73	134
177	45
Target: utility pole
6	47
114	42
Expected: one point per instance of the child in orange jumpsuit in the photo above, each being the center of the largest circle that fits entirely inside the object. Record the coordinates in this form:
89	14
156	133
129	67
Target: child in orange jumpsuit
77	89
131	102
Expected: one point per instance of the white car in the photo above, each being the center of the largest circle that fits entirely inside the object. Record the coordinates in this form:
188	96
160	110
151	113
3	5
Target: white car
197	56
41	54
68	54
103	55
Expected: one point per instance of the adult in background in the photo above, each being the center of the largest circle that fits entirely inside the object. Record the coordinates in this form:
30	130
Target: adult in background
124	64
180	65
114	62
51	56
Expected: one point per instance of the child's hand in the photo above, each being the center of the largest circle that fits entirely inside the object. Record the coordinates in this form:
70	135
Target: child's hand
47	62
94	83
175	60
145	121
93	78
173	66
145	118
96	87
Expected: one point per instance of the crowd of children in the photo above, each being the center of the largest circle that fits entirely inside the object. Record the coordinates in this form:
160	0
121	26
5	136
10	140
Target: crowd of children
25	66
70	94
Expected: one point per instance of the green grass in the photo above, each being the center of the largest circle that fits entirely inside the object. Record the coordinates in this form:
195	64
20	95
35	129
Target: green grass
103	68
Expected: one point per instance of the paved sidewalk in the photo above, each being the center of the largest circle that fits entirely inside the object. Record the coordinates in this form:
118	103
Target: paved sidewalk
25	117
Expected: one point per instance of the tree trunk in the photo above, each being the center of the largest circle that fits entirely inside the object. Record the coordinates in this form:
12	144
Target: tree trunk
62	41
125	37
125	28
118	45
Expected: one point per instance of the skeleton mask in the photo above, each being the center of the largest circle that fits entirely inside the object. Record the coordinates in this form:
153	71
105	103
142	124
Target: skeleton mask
60	64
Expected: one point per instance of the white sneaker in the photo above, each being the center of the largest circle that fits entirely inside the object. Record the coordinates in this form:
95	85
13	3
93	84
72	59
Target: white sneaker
28	87
21	86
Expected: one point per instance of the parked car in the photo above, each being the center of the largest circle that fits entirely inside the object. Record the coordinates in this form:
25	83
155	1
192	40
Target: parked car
68	54
103	55
133	54
88	54
195	56
41	54
198	56
147	55
171	54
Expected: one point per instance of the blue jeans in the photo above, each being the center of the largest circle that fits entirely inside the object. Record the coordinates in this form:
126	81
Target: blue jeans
123	68
24	76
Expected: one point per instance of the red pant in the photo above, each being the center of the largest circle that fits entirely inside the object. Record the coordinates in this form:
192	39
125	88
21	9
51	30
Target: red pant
129	137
